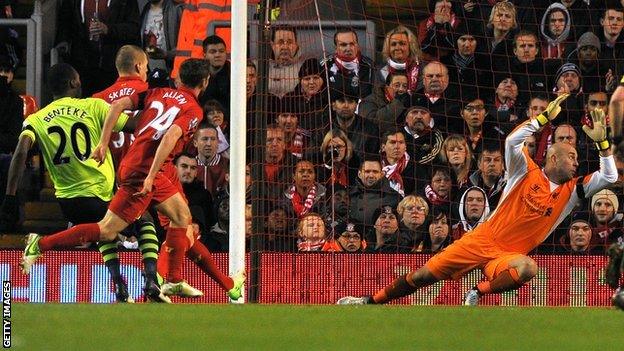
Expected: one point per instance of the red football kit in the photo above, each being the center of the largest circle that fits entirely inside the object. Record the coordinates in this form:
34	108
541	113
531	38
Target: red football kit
124	86
162	108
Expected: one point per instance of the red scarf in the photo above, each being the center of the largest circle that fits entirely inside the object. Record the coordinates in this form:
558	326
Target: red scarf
302	207
433	197
309	246
393	172
339	175
347	64
412	68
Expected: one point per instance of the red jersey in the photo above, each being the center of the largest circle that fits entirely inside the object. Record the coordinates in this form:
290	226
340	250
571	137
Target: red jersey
124	86
162	107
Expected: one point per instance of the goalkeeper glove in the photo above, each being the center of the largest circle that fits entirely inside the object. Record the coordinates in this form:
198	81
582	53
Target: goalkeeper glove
599	131
552	110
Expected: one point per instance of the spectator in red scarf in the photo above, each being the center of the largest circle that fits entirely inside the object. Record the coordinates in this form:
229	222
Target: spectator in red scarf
348	68
304	195
396	163
311	233
402	53
438	192
287	116
387	103
338	165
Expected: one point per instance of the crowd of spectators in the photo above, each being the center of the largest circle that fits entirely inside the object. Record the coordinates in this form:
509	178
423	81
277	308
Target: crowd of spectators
401	154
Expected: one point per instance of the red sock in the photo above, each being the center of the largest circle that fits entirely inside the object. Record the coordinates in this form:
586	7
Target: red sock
505	281
162	265
199	254
177	245
74	236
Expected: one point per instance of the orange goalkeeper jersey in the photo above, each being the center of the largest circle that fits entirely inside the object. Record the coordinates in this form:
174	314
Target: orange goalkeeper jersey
532	206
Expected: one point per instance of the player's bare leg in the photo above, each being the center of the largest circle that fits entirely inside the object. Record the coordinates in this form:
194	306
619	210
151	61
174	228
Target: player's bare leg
520	270
401	286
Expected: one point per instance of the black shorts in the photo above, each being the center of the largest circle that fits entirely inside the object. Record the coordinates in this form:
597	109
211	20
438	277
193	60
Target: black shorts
80	210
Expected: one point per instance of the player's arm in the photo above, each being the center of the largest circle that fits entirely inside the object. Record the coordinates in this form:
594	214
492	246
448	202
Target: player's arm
168	142
18	163
616	110
608	172
116	109
9	213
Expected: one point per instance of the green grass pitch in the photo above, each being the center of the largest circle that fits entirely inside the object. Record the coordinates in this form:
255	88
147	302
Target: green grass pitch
286	327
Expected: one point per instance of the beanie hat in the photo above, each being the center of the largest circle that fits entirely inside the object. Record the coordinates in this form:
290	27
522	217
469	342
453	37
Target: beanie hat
588	39
606	194
567	67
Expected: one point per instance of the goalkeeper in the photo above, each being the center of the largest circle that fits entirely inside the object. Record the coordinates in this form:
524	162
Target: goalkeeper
534	201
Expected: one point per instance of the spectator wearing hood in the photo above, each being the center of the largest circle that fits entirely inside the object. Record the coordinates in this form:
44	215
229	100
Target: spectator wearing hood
474	208
555	31
402	53
386	104
385	236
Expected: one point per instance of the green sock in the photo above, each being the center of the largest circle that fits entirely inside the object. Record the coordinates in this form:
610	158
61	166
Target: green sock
148	245
111	259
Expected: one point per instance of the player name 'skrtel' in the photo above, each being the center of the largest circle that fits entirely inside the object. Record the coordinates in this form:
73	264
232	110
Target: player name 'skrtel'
121	93
65	111
175	95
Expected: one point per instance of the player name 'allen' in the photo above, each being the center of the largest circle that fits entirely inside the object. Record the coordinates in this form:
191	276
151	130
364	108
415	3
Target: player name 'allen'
175	95
65	111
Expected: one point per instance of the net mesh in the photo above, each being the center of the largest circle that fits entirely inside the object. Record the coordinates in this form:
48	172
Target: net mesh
380	126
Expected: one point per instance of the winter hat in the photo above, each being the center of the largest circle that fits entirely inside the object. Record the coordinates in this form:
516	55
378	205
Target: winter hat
567	67
606	194
588	39
311	67
581	216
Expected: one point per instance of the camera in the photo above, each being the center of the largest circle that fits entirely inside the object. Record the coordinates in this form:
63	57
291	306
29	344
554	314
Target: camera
332	152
